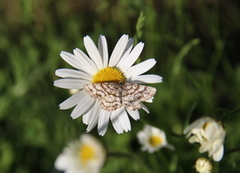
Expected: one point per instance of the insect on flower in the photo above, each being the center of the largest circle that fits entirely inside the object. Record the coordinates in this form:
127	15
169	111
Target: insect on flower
109	88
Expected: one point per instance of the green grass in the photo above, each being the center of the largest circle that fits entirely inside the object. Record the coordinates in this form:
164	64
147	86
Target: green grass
196	47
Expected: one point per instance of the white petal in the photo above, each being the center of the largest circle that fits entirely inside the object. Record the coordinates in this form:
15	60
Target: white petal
103	122
92	124
134	114
133	56
71	73
144	108
91	113
83	106
140	68
197	124
87	65
148	78
116	122
93	120
118	50
103	50
150	100
62	162
91	117
124	120
93	52
70	59
72	101
123	60
85	117
204	147
94	113
142	137
219	154
216	145
214	132
70	83
193	139
129	46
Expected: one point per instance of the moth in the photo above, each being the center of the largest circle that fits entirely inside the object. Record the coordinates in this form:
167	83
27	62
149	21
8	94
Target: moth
115	95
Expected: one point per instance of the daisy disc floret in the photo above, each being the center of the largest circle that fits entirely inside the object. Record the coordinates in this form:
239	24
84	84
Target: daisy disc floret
152	139
109	88
203	165
210	134
86	155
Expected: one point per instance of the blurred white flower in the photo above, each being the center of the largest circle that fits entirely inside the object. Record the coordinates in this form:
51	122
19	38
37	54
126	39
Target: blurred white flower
109	88
152	139
210	134
86	155
203	165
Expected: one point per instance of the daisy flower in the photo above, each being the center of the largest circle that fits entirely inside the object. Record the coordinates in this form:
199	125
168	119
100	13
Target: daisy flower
109	88
152	139
209	134
203	165
86	155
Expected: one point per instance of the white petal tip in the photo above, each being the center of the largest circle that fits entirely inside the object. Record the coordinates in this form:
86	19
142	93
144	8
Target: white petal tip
75	117
101	134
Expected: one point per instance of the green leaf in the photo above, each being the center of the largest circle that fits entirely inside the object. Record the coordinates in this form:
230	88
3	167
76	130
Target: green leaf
139	26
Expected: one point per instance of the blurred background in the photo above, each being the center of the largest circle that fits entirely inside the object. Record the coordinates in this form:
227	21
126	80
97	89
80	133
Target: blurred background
195	43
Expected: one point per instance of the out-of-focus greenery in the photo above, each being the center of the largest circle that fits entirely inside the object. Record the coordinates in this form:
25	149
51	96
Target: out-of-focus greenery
195	43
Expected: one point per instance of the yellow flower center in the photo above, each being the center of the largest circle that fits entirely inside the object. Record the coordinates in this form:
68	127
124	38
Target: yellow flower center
86	153
205	125
109	74
155	141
